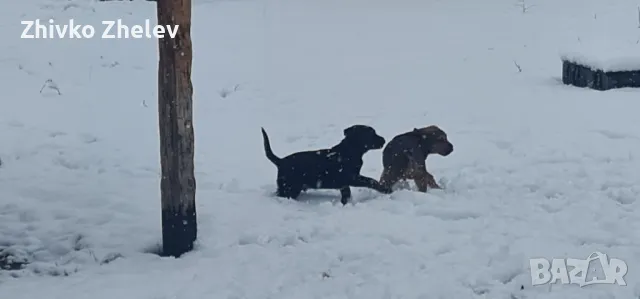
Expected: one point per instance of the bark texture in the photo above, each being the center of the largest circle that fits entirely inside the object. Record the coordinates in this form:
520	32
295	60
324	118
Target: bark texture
178	183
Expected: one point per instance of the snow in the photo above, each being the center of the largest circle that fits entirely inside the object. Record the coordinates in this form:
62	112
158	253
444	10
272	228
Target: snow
608	41
539	169
613	59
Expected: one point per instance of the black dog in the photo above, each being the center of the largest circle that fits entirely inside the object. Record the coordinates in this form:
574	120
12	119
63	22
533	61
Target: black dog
334	168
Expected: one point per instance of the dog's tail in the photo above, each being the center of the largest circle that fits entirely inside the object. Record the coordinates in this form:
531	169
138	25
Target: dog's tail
267	149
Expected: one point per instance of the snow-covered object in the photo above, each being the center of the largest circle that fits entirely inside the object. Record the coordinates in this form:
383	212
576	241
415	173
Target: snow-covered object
608	60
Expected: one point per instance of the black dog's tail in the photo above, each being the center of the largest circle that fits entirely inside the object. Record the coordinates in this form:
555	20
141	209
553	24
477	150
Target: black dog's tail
267	149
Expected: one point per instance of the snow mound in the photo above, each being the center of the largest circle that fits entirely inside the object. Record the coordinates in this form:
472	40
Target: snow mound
605	44
608	60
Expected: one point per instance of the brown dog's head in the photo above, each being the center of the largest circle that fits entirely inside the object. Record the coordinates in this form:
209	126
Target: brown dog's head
364	136
435	140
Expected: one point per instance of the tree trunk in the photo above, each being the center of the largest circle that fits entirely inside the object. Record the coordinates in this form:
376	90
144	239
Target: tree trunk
178	183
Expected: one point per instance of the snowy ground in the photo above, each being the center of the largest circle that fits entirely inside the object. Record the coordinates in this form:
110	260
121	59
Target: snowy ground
540	169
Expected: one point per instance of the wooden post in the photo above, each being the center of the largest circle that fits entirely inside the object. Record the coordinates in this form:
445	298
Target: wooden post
178	183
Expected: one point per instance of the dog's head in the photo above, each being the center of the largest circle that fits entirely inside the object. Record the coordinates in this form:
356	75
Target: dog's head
435	140
364	136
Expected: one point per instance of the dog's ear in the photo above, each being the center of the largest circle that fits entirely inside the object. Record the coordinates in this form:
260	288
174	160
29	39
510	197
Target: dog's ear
429	131
349	131
419	132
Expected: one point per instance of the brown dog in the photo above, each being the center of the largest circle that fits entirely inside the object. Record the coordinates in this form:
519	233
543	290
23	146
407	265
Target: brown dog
405	156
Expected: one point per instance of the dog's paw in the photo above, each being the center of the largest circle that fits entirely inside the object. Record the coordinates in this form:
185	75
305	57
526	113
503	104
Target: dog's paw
444	183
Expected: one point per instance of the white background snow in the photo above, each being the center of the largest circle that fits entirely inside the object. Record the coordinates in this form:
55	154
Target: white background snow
539	169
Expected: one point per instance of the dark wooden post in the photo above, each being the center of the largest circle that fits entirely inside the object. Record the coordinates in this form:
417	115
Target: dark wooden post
178	183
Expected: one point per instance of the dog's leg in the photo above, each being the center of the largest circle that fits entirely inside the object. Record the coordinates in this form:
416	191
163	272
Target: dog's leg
367	182
282	187
431	182
419	174
288	190
424	180
345	193
390	177
420	183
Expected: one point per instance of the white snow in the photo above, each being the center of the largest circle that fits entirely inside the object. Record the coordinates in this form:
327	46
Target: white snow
607	59
608	41
539	169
